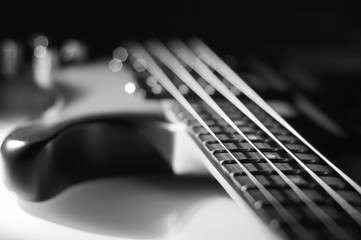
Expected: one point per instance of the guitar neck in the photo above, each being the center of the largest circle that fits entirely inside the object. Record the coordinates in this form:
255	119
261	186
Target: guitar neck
300	216
256	155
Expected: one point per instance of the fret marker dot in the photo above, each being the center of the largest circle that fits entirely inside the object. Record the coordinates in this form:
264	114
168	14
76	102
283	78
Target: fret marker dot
139	65
151	81
157	89
257	205
274	224
209	89
235	91
183	89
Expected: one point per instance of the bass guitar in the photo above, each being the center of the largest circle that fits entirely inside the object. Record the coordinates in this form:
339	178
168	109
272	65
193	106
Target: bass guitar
182	103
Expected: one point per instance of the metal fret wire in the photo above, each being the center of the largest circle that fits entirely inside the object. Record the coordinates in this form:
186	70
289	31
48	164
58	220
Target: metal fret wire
176	67
155	70
194	62
202	50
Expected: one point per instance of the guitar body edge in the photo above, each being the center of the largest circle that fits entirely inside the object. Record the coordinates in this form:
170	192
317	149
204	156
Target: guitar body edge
40	161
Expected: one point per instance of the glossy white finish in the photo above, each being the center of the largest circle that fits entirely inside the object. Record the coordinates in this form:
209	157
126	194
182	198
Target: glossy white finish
137	207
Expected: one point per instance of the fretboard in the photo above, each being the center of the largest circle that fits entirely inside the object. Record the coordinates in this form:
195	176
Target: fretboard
288	184
270	179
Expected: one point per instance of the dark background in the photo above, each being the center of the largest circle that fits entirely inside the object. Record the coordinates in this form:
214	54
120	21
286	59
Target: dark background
322	37
256	26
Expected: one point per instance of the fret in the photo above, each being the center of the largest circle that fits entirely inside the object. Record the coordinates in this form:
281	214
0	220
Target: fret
308	157
215	62
267	164
312	161
255	156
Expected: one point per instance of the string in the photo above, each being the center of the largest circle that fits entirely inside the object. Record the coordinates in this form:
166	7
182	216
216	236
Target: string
208	55
155	70
230	75
164	55
194	62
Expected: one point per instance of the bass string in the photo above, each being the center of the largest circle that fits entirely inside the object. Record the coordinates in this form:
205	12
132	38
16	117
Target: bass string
207	55
183	74
183	52
155	70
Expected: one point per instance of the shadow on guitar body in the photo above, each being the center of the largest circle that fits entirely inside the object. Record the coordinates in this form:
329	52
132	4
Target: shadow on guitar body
137	196
79	152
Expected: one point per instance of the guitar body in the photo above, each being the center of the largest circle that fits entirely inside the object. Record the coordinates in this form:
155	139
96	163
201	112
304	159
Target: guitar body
92	121
97	130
